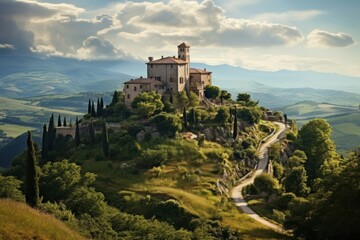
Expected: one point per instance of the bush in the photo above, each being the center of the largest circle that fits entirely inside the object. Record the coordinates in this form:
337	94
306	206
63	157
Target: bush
278	170
167	124
250	115
283	201
10	188
278	216
264	183
58	210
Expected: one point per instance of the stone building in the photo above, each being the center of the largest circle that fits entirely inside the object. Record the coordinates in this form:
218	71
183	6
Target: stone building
168	76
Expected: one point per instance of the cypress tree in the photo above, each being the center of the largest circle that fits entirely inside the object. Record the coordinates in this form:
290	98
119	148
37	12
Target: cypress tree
98	110
59	121
171	98
65	124
89	107
51	133
192	117
235	132
92	133
44	144
105	140
115	98
93	113
31	178
102	104
185	118
77	133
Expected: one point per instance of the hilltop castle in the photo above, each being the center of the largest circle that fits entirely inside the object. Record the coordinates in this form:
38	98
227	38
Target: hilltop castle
168	76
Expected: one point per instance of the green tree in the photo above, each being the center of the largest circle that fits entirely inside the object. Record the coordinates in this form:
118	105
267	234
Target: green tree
65	124
249	114
243	97
235	128
115	98
278	170
93	112
51	133
98	109
77	133
167	124
224	95
31	183
265	183
59	121
10	188
105	140
295	181
193	99
315	140
147	103
212	92
182	99
222	115
44	144
92	132
89	107
297	159
101	104
185	118
192	117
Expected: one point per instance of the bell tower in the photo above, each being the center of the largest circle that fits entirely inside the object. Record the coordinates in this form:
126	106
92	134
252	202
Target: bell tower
184	52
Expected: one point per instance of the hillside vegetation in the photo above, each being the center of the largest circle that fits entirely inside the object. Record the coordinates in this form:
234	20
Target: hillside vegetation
19	221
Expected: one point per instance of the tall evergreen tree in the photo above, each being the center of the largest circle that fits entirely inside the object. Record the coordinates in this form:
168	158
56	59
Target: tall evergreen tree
115	98
102	104
93	113
31	178
44	144
59	121
89	107
77	133
65	124
192	117
185	118
105	140
235	132
51	133
92	132
98	110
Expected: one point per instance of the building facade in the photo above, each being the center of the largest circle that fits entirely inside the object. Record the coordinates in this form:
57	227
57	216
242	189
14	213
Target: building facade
168	76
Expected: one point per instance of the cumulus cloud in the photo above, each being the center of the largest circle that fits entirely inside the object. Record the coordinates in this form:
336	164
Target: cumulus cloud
97	48
6	46
322	38
289	15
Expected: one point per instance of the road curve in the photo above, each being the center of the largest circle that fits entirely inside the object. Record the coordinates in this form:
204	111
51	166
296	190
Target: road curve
236	193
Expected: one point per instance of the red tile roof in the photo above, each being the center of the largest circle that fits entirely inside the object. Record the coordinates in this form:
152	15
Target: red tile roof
198	71
184	45
144	81
168	60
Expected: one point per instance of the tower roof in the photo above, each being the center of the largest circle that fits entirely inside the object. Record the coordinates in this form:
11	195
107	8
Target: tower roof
184	45
168	60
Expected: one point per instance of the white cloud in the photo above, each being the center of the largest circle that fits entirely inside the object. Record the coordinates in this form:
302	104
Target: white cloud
6	46
324	39
289	16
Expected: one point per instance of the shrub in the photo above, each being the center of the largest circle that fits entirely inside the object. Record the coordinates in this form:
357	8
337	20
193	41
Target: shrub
265	183
10	188
167	124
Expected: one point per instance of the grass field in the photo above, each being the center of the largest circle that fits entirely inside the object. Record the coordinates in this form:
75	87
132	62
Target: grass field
13	131
18	221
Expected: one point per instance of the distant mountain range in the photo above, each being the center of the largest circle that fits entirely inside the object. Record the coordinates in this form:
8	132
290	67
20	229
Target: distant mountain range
24	76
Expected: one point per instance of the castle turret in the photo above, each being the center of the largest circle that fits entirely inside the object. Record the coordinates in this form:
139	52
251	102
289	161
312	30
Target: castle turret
184	52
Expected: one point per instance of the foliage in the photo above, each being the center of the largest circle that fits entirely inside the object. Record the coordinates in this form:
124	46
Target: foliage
243	97
249	114
147	103
297	159
77	133
44	144
264	183
295	181
222	116
105	140
275	152
182	99
212	92
31	180
10	188
193	99
167	124
224	95
278	170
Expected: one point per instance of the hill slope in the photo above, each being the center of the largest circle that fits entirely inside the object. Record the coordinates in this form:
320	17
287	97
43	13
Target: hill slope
18	221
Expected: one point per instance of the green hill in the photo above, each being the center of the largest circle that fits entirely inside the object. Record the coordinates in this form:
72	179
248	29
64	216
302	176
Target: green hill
345	120
19	221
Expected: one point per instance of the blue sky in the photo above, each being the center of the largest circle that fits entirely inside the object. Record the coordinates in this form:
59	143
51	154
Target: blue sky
270	35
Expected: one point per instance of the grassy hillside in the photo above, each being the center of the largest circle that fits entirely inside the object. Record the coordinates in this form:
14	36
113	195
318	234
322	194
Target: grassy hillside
345	121
19	221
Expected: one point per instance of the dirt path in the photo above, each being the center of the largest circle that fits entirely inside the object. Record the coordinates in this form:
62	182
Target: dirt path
263	160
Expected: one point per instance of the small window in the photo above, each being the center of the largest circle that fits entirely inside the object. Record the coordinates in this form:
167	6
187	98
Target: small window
151	65
128	96
171	66
135	89
127	86
171	79
140	86
158	78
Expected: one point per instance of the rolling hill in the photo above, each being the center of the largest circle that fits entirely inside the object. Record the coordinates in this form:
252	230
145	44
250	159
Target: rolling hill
345	121
19	221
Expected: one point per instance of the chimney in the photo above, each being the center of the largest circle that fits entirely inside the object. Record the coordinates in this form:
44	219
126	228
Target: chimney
151	59
205	69
162	57
131	79
173	56
140	77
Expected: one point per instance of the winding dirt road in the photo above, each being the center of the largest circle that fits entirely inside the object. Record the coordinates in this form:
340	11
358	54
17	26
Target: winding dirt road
263	160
